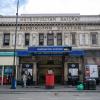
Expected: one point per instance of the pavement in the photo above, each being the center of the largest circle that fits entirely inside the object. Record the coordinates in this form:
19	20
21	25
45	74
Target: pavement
58	88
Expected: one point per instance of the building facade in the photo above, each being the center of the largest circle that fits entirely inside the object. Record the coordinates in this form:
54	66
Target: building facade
61	42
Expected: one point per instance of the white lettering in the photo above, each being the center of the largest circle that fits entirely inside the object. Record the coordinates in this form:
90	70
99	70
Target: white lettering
50	19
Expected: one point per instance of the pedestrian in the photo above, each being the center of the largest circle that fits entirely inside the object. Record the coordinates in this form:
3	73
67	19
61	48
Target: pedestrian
69	78
24	79
29	79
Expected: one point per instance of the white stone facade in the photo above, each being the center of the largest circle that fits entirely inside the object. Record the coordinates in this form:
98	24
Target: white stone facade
84	27
66	24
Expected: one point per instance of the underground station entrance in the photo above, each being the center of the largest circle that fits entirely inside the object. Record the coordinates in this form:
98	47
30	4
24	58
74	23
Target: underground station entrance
54	63
50	58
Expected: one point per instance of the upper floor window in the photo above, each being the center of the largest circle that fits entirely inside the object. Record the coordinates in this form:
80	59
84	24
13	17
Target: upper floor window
84	39
41	39
27	39
50	39
59	38
6	39
94	38
73	38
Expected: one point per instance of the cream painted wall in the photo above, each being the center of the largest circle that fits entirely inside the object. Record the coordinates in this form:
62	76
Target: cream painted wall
6	60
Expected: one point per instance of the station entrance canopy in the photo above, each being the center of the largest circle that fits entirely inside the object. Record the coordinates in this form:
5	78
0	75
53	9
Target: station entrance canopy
50	50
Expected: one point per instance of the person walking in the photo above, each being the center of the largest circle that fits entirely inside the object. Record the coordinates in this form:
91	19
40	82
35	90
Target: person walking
29	79
24	79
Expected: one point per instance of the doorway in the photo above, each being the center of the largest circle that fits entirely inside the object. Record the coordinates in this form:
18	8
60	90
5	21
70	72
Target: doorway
53	63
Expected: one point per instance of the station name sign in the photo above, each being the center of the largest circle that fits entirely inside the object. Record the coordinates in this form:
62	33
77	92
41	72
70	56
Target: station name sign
50	19
48	49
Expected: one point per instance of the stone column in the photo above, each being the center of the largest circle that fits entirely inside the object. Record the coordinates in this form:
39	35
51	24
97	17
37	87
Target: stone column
63	38
65	72
82	68
19	76
31	38
35	73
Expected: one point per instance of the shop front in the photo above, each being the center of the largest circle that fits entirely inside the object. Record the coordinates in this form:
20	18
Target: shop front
6	67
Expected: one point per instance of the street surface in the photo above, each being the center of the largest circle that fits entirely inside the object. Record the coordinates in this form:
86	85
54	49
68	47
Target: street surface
50	96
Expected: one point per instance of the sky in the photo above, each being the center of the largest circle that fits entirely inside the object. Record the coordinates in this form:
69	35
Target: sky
84	7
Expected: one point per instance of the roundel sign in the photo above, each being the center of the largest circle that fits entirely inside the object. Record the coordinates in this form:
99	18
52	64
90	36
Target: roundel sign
27	65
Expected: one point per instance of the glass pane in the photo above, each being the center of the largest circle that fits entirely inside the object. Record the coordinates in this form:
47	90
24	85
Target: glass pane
59	36
59	42
73	39
50	39
27	38
94	40
50	42
41	39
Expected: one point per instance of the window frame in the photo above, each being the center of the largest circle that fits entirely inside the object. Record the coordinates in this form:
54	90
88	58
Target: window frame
6	39
92	38
50	39
73	39
27	40
41	40
59	39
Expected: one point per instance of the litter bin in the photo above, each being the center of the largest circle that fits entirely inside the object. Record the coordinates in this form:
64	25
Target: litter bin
86	85
90	84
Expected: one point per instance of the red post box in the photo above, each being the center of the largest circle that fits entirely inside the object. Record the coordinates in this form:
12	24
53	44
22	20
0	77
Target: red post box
49	80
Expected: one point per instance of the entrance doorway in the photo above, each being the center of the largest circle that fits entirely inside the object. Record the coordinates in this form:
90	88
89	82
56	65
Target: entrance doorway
53	63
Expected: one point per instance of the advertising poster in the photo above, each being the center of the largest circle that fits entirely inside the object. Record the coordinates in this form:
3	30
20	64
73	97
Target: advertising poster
73	69
27	68
91	71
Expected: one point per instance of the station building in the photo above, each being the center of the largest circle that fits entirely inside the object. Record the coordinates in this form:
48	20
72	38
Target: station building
65	43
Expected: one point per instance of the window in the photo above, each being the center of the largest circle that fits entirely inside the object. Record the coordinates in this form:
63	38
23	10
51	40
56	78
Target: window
41	39
84	39
50	39
59	38
6	40
73	38
27	39
94	38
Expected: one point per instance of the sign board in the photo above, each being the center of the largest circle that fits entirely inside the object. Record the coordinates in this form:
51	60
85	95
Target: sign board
49	49
91	71
7	53
27	65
